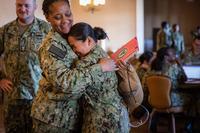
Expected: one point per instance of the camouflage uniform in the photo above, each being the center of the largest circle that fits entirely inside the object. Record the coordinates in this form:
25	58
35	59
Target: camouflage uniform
191	59
22	66
175	73
178	43
103	108
164	39
141	73
56	103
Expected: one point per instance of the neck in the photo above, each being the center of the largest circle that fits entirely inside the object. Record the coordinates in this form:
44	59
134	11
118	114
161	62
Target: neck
25	22
145	66
93	45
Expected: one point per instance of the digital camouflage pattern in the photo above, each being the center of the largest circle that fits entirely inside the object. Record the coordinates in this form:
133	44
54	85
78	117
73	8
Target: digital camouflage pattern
103	108
164	39
178	43
141	72
22	67
40	127
191	58
175	72
21	59
56	103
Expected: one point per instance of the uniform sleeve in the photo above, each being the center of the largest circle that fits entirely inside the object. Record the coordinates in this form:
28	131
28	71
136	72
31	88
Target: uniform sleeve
182	45
63	78
181	75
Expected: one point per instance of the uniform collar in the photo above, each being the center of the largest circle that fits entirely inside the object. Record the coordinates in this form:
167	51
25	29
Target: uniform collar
34	27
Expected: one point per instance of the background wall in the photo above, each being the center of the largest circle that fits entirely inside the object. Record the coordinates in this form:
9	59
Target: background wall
184	12
117	17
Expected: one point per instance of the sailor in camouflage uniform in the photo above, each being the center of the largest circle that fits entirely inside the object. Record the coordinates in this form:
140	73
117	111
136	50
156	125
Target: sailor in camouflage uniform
165	64
144	67
56	107
103	108
192	57
20	40
164	37
178	40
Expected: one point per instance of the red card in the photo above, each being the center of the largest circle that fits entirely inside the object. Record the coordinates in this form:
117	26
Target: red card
126	50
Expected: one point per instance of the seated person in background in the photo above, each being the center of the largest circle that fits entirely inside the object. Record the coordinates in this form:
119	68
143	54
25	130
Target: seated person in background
145	62
192	57
103	108
165	64
197	31
178	40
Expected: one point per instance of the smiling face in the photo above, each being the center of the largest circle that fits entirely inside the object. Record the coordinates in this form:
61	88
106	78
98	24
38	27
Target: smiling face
60	17
25	10
81	48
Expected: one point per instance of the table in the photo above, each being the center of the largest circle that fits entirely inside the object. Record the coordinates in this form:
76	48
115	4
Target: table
190	86
193	88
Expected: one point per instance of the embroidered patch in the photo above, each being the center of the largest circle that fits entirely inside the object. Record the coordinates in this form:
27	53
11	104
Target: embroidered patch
58	53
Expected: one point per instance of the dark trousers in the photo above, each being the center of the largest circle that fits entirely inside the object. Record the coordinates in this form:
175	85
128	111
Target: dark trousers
17	117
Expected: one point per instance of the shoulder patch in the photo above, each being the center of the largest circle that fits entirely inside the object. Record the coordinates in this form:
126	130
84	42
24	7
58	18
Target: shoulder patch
58	53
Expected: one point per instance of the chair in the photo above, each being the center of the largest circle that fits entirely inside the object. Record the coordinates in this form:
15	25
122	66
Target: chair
159	87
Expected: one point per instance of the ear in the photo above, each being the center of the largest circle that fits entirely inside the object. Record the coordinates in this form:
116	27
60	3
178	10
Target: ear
90	40
47	17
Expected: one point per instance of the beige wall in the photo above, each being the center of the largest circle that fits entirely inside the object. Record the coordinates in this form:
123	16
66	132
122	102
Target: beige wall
7	11
117	17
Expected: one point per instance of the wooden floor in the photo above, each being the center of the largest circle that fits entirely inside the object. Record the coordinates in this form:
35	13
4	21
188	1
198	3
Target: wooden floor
162	125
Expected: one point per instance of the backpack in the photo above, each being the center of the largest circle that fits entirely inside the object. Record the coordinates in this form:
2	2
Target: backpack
129	87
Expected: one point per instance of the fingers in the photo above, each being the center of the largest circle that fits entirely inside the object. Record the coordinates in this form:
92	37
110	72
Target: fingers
121	64
113	65
6	85
116	69
9	88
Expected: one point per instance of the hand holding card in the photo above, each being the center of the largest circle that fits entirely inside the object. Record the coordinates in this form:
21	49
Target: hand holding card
126	50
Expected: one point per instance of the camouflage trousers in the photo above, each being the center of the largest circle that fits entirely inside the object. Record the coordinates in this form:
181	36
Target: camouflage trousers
17	116
41	127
